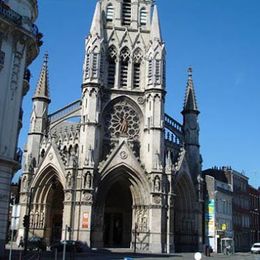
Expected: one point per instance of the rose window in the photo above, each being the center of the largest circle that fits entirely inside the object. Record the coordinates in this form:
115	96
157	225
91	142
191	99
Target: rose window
122	120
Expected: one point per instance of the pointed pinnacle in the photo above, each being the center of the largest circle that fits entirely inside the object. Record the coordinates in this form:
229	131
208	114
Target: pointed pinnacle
190	103
42	89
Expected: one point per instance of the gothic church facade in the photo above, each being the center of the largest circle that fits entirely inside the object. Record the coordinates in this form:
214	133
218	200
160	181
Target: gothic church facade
125	173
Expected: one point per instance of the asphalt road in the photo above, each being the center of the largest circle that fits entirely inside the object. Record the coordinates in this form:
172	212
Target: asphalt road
130	256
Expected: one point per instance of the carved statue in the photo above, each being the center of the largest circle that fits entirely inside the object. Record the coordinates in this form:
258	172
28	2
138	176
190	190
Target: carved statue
42	219
69	181
157	184
88	181
123	126
36	223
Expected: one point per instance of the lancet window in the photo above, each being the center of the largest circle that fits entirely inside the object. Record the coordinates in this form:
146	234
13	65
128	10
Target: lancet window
126	12
95	64
112	55
87	68
124	61
137	58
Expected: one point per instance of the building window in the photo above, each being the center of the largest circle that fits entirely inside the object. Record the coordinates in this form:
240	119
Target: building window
137	58
87	66
126	12
110	13
95	65
150	71
124	58
112	54
157	71
137	75
143	16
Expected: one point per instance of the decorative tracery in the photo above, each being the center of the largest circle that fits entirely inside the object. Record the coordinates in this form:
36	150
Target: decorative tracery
122	120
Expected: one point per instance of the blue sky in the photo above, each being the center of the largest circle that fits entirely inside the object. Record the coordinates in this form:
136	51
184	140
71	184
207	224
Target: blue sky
219	39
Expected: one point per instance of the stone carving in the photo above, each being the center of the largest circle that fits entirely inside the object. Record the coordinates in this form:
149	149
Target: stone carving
142	219
87	197
140	100
87	183
122	119
123	125
157	161
50	156
25	182
36	219
69	180
157	184
42	219
123	155
89	158
157	199
68	196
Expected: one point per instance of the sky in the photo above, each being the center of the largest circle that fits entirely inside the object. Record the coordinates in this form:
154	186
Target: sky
220	39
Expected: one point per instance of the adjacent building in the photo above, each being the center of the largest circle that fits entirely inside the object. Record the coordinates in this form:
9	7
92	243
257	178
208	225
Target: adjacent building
19	41
218	208
237	184
254	195
122	173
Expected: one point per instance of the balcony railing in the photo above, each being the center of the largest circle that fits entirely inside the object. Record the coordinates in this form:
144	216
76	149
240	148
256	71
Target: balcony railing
9	14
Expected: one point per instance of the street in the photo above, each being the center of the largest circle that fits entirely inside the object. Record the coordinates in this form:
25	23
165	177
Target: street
107	255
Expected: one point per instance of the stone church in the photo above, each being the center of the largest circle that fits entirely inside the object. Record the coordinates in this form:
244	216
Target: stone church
113	166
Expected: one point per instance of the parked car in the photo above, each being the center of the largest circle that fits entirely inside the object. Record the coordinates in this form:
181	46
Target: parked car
71	246
255	249
36	243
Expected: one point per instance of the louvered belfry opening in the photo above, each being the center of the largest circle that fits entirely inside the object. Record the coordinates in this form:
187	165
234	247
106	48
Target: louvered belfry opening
137	58
143	16
112	54
137	75
124	57
110	13
126	12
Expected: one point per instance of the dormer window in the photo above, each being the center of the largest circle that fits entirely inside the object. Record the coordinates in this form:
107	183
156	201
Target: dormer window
126	12
143	16
110	13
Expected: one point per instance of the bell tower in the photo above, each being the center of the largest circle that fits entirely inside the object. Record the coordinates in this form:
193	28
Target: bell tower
123	98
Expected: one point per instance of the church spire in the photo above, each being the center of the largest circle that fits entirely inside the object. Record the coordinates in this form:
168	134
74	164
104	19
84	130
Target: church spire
155	27
42	89
190	103
96	22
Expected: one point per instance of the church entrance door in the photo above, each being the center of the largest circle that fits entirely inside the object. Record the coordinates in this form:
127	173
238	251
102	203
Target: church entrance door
55	213
118	216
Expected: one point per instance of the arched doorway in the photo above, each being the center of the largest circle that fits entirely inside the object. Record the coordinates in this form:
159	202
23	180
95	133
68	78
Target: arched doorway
118	215
55	207
185	228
